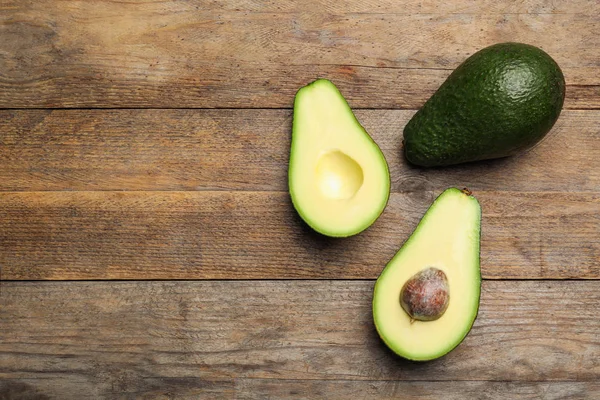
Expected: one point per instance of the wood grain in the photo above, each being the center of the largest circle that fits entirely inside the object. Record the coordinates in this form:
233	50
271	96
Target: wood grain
193	388
258	235
98	339
43	150
202	54
414	390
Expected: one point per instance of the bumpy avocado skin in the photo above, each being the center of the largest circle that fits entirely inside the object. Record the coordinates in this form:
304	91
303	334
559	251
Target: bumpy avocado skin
499	102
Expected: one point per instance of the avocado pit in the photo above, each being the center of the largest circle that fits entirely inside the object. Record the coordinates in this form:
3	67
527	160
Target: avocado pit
425	295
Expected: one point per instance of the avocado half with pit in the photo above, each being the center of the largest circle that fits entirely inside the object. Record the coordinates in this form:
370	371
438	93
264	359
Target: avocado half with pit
426	299
338	177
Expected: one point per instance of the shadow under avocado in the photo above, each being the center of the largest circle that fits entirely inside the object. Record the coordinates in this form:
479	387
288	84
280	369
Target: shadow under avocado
316	239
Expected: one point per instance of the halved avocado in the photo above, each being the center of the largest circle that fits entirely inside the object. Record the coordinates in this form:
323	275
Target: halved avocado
338	177
446	239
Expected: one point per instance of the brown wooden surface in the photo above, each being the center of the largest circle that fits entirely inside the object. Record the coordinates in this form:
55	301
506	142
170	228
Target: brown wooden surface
240	235
171	164
412	390
191	388
181	338
390	54
42	150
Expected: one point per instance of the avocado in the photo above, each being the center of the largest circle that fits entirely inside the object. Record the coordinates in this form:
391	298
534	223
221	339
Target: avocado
427	297
500	101
338	177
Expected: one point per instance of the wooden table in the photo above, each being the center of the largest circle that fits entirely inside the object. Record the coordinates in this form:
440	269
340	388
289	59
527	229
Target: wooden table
148	246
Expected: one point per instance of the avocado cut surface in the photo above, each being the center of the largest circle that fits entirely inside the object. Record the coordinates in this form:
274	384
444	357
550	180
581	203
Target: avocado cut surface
446	239
500	101
338	177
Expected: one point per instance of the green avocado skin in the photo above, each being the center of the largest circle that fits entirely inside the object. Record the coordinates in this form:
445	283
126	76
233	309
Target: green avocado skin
500	101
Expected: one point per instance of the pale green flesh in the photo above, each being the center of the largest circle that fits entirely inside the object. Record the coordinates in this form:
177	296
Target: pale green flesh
338	177
447	238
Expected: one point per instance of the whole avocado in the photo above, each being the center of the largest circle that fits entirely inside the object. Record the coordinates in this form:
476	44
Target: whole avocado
498	102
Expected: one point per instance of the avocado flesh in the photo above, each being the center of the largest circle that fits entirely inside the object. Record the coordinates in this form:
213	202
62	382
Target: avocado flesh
501	101
447	238
338	177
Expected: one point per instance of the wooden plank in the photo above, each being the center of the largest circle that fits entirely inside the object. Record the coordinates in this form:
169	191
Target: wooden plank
261	389
43	150
96	339
310	389
258	235
203	54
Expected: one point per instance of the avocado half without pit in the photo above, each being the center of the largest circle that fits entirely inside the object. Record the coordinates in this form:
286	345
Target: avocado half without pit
338	177
426	299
